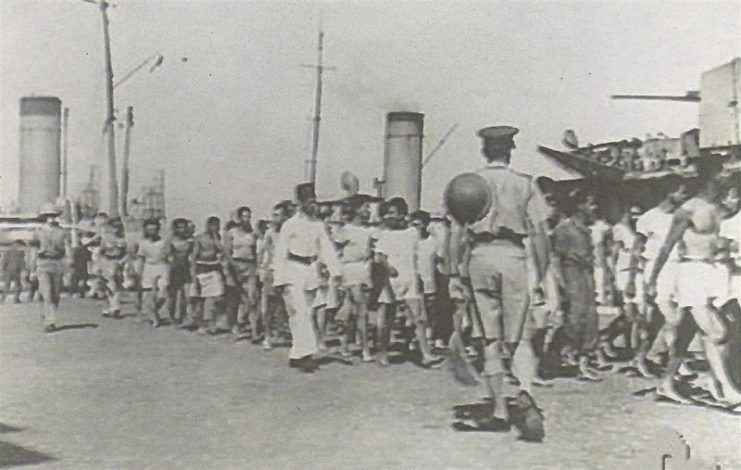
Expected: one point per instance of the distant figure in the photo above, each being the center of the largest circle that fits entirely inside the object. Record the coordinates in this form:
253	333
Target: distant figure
181	244
155	252
240	251
12	267
54	246
207	273
113	254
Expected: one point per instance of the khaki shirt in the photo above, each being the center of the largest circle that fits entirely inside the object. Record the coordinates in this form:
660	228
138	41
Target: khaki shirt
517	203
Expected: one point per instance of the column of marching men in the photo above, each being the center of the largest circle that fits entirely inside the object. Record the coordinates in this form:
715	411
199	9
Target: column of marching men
515	293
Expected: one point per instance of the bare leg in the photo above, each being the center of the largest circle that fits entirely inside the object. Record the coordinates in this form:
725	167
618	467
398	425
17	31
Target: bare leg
415	311
385	319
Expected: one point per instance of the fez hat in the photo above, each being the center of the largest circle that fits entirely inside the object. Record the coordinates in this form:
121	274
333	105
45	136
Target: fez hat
305	191
501	135
48	209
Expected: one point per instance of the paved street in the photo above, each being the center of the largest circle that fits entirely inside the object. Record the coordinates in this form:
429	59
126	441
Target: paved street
115	394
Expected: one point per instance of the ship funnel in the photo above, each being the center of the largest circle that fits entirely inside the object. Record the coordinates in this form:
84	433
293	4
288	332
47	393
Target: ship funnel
402	164
40	138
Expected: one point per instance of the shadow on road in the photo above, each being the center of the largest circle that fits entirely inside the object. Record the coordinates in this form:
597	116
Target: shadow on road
77	326
12	455
7	428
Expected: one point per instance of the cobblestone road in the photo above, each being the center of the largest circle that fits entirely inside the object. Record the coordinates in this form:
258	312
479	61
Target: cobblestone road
122	395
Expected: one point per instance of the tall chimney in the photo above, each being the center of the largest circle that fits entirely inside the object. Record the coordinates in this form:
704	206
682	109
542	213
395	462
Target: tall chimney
40	163
402	164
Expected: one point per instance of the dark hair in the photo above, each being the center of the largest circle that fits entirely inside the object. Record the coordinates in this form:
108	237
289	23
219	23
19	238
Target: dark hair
349	211
213	220
421	215
115	221
242	210
151	221
398	202
708	168
179	221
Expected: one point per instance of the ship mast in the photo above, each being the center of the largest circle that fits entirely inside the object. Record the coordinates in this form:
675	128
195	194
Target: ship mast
310	172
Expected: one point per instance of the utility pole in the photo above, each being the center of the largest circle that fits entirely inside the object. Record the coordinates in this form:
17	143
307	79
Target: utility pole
112	183
320	68
125	163
65	121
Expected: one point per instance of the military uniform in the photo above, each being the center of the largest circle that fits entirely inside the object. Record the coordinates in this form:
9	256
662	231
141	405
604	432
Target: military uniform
497	265
53	242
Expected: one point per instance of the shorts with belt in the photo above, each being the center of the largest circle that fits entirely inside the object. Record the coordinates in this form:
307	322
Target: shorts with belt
499	279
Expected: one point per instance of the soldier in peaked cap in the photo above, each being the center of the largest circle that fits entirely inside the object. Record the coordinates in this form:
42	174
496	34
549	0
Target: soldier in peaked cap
303	243
497	266
53	246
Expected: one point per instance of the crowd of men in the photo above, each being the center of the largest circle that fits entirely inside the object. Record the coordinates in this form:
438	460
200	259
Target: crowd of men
516	291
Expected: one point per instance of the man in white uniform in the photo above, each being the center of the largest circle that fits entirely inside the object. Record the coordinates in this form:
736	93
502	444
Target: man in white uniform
303	241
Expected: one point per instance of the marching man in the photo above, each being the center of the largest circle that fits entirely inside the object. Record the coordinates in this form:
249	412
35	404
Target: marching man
498	271
302	243
53	245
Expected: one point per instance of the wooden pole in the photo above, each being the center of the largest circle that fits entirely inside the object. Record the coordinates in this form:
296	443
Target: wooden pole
112	183
65	120
125	164
317	110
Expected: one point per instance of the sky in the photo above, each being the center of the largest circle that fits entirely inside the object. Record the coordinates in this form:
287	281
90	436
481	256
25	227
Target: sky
232	124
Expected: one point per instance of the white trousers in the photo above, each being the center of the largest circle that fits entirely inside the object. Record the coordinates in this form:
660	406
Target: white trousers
298	302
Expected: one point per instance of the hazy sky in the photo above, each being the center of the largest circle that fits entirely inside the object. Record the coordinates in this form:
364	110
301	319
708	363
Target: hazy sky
232	124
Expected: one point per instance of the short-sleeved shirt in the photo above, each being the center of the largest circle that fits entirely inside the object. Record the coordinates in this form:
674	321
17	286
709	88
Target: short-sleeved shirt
654	224
625	238
572	243
400	247
517	202
355	241
154	251
428	252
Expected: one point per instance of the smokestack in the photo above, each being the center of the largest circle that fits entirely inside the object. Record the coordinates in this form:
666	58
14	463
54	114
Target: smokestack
402	164
40	139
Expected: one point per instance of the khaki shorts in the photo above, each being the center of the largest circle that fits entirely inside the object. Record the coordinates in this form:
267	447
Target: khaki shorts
499	278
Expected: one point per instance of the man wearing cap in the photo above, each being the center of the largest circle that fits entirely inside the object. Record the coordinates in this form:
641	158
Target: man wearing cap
53	245
497	266
302	243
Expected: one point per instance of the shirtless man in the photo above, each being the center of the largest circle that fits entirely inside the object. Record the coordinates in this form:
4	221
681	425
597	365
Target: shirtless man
53	246
654	226
181	245
206	270
113	254
240	249
700	280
